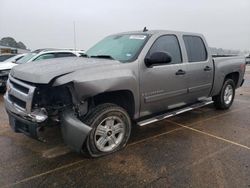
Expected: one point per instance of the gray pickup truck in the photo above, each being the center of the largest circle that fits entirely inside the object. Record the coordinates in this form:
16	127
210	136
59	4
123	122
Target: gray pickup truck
127	78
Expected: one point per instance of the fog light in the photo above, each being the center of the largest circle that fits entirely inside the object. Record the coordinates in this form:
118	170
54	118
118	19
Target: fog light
40	115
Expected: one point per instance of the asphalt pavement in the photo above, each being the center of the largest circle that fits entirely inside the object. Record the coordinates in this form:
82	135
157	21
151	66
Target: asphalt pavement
201	148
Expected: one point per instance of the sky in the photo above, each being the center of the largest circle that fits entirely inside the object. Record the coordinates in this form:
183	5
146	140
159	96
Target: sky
50	23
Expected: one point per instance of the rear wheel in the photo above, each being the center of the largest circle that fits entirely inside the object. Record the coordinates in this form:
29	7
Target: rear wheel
226	96
111	129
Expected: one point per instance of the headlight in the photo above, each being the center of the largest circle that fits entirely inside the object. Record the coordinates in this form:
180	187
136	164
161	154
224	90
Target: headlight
4	72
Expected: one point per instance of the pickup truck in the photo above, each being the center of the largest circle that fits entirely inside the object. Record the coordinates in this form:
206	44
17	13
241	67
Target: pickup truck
125	79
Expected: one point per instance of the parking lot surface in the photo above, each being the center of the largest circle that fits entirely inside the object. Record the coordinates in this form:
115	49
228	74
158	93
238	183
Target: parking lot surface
200	148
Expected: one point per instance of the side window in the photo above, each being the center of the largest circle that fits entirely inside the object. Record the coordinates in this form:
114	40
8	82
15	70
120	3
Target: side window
169	44
195	47
65	54
45	56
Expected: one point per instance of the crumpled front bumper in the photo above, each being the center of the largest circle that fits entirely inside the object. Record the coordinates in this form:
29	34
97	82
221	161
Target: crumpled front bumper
23	118
74	131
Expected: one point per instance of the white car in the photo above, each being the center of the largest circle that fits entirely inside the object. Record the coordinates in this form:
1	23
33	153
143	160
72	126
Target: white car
36	55
10	62
49	54
5	68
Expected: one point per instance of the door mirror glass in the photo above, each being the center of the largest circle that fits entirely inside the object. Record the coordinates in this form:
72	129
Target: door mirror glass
158	58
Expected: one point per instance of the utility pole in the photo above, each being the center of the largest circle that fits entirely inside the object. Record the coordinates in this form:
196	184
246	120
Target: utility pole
74	35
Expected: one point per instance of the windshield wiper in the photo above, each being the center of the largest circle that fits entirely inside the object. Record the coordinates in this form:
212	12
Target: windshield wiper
102	56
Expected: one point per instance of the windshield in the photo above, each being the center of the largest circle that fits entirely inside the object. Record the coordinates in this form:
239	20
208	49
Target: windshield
13	59
26	58
123	48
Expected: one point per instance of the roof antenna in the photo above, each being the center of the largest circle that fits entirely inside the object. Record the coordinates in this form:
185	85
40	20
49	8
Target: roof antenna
145	29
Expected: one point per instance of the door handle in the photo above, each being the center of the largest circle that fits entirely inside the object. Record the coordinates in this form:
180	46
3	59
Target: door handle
207	68
180	72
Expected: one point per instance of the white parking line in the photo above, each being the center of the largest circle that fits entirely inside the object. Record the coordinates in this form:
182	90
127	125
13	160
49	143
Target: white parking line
143	140
45	173
213	136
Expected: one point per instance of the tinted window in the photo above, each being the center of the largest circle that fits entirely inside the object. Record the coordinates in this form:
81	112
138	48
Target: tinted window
5	57
169	44
196	49
45	56
65	54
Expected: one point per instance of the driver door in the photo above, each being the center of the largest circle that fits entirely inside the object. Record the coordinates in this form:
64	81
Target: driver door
163	86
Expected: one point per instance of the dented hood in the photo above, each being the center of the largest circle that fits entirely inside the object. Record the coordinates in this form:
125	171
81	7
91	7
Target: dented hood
42	72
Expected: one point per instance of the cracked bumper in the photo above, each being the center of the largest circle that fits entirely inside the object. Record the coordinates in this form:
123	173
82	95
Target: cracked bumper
74	131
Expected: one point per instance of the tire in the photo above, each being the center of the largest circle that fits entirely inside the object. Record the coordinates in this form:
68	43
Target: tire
111	127
2	89
224	100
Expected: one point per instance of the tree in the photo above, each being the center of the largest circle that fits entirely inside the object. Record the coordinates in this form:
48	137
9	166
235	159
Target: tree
21	45
11	42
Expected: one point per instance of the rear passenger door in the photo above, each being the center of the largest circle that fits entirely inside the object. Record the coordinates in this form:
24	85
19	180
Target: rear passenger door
200	68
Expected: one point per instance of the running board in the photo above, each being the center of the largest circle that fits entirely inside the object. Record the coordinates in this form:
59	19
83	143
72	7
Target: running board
173	113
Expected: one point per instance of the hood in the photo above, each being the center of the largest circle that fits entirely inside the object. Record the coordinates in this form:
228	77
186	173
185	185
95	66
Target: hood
6	65
44	71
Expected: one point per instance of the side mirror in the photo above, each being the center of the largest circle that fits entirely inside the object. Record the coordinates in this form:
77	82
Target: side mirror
158	58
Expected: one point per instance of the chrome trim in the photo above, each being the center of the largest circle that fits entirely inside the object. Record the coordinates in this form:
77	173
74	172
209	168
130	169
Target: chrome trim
14	108
174	112
27	98
26	113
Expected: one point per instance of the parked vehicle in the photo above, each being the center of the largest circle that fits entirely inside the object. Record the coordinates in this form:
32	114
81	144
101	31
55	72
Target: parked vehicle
139	77
5	67
3	57
36	55
42	54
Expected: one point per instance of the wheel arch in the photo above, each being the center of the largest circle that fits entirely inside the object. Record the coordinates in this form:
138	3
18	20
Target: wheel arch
234	76
122	98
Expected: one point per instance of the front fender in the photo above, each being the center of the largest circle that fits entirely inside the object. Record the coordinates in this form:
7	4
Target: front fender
74	131
88	84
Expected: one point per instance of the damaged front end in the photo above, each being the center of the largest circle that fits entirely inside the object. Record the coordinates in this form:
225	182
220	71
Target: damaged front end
33	107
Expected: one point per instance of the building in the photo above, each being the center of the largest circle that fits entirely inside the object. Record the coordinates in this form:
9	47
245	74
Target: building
248	59
11	50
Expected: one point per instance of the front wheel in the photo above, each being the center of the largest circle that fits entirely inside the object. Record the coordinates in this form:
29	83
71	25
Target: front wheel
111	126
226	96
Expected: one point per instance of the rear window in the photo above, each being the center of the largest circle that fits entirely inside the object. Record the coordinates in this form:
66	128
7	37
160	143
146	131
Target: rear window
196	50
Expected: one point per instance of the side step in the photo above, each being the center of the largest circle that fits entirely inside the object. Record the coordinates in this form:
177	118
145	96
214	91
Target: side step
174	112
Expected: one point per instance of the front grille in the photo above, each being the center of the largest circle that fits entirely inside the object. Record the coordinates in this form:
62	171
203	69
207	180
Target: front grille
20	87
17	101
20	94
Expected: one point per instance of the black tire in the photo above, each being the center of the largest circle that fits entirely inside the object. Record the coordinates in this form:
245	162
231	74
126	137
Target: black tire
219	101
2	89
95	117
